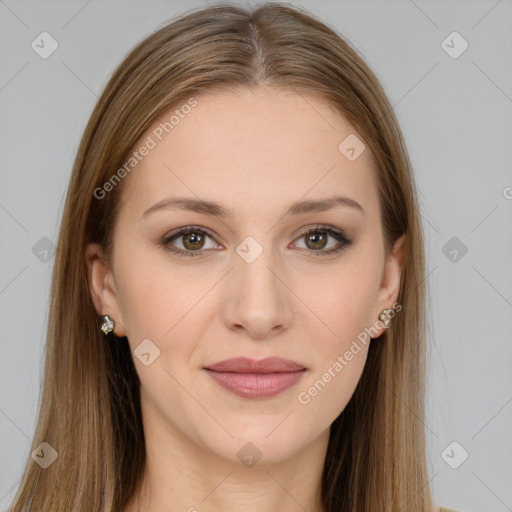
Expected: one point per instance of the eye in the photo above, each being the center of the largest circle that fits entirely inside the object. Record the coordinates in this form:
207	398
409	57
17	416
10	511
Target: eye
316	239
193	240
192	244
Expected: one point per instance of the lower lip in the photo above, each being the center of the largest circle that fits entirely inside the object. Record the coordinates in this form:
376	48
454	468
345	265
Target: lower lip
256	385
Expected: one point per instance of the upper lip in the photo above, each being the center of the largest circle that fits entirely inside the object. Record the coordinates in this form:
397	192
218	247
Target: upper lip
247	365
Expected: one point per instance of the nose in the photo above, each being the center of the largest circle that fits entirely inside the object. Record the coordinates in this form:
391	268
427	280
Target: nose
257	301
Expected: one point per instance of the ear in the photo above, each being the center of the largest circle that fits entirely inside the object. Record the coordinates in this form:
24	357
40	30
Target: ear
102	287
390	283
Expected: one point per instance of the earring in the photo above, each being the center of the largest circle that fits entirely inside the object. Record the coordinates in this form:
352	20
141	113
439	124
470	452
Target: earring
386	316
107	324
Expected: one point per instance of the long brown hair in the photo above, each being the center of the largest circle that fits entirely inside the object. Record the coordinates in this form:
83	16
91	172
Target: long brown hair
90	403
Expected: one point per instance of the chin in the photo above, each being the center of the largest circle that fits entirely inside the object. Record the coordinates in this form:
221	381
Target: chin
257	445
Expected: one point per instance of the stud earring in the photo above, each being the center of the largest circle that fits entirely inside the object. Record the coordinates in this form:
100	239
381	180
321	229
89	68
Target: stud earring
386	316
107	324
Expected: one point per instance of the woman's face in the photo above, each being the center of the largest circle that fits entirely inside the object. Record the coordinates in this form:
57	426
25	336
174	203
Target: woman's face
248	283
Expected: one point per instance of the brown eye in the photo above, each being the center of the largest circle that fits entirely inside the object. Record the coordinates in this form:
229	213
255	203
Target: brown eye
316	240
193	241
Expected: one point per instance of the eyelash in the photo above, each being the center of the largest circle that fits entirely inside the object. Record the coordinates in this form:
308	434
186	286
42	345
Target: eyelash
338	235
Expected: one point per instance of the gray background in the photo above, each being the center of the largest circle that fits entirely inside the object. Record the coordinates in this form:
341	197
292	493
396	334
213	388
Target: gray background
456	117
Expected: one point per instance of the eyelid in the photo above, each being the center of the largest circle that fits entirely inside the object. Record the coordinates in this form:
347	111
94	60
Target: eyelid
179	232
184	229
338	234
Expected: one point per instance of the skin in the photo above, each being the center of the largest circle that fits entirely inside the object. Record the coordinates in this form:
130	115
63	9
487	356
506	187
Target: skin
256	152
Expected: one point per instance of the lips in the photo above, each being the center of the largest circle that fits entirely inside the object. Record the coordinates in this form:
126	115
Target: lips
249	378
247	365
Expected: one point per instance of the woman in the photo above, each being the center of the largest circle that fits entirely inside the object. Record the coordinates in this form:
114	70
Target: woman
237	305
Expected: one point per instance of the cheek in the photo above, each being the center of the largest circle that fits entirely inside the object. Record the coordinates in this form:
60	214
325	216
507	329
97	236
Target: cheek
343	312
342	301
168	305
325	395
343	304
151	290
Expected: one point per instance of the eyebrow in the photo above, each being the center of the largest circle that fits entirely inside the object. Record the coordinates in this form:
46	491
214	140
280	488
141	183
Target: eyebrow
218	210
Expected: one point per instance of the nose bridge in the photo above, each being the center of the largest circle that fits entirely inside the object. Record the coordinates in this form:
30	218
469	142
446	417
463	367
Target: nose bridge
257	300
256	266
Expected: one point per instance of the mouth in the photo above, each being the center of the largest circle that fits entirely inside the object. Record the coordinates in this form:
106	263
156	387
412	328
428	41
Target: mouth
249	378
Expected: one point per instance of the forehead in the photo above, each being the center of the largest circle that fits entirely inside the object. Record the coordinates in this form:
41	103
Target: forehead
250	149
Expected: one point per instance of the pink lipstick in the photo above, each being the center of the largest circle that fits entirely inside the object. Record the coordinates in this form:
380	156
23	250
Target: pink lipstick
249	378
